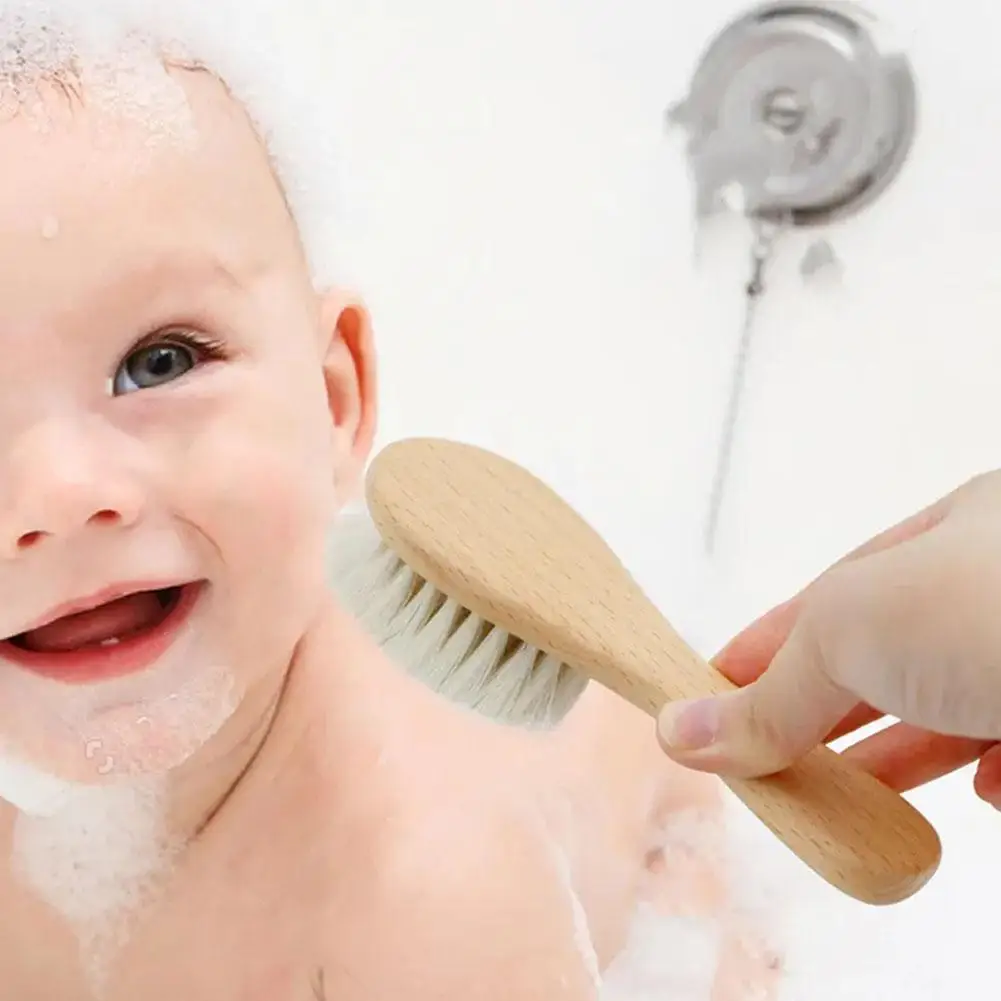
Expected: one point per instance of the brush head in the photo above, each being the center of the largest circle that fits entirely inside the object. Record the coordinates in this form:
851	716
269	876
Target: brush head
462	656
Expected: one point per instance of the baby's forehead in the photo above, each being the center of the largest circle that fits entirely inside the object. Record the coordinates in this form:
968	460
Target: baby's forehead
101	210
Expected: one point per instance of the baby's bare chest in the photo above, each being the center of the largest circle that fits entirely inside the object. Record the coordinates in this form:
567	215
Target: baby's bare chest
235	943
283	911
298	922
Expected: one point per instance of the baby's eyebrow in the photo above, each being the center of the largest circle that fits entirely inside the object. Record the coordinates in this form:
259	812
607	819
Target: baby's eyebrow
202	264
220	272
196	268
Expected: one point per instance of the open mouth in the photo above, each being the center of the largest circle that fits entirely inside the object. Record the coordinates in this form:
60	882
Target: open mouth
107	625
117	637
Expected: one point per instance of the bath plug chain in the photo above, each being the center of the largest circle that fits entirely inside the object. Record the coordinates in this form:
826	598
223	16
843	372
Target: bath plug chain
765	236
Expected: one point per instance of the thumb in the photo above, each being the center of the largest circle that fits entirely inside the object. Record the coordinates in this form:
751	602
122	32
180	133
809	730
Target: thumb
765	727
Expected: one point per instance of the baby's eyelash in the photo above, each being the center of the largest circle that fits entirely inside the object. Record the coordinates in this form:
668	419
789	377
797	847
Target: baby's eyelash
210	348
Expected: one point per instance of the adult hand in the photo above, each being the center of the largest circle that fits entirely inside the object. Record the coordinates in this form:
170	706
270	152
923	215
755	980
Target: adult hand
908	625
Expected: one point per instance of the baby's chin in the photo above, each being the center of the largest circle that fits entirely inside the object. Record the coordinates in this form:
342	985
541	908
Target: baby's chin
47	761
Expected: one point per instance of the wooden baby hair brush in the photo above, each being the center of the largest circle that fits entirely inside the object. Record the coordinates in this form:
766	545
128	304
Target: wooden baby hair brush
478	578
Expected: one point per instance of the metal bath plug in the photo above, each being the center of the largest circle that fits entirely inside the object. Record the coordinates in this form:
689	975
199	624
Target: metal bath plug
808	113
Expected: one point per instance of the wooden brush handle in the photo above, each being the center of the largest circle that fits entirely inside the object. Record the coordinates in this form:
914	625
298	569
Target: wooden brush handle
859	835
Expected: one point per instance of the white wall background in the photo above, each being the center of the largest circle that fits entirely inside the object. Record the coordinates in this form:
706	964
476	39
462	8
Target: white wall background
521	228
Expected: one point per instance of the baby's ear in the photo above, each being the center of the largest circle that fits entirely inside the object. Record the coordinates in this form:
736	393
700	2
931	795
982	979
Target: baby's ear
350	375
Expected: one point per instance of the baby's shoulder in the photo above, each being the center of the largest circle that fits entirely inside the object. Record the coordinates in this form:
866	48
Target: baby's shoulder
469	901
400	796
432	809
445	863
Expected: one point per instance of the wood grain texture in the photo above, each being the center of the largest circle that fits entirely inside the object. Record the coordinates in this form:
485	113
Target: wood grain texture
495	538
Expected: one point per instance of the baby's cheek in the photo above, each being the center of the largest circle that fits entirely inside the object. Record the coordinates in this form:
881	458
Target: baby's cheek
274	487
265	507
291	509
293	520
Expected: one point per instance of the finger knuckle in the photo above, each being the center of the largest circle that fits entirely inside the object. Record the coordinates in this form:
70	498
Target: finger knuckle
771	740
818	632
853	622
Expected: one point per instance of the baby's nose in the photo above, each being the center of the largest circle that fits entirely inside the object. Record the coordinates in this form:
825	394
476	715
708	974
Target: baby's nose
60	480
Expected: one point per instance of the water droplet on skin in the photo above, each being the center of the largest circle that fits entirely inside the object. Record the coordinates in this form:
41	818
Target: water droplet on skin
50	228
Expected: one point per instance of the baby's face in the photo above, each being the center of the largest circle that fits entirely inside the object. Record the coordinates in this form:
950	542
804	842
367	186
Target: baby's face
178	409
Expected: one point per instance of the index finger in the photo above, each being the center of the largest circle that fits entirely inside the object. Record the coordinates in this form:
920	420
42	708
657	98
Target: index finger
905	757
745	658
750	653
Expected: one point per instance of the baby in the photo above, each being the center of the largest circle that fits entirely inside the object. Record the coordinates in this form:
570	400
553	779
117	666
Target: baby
214	785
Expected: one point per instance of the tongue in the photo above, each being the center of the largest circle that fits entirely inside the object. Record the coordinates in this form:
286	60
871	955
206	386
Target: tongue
115	619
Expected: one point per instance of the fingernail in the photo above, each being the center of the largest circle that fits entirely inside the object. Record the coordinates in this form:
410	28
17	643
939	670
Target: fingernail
689	726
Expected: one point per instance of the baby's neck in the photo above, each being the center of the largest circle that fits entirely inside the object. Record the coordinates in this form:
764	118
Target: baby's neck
199	790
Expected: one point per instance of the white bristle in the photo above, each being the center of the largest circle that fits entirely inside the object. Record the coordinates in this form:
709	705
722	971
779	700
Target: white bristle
459	655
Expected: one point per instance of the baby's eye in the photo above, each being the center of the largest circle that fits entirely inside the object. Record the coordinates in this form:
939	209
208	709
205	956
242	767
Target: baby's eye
162	361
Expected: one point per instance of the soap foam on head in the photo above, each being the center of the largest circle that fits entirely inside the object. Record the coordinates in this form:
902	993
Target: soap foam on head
114	52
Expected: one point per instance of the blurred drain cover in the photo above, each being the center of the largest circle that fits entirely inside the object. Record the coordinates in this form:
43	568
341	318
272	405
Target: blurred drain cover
801	112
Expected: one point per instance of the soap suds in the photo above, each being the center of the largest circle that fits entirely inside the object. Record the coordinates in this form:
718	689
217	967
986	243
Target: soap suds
154	733
31	790
666	959
98	861
52	59
91	840
672	955
582	931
